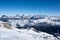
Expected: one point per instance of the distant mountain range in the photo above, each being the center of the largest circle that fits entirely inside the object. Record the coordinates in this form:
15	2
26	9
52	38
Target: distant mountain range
30	17
35	17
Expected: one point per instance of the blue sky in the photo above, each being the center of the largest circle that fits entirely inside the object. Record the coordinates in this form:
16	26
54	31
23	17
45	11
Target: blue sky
44	7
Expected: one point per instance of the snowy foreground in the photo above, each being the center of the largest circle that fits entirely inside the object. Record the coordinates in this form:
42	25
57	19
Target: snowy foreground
24	34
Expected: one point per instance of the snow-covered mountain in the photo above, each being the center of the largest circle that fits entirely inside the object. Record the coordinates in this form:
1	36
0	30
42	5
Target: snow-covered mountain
27	27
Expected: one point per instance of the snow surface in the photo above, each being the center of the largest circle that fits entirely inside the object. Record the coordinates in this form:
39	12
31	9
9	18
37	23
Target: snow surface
24	34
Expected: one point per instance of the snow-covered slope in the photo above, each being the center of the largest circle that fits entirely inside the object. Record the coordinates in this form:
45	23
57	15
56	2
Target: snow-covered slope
24	34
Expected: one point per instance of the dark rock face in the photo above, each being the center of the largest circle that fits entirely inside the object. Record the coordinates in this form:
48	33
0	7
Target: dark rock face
49	29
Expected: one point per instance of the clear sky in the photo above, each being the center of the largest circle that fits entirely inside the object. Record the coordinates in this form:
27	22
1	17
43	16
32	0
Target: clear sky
44	7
